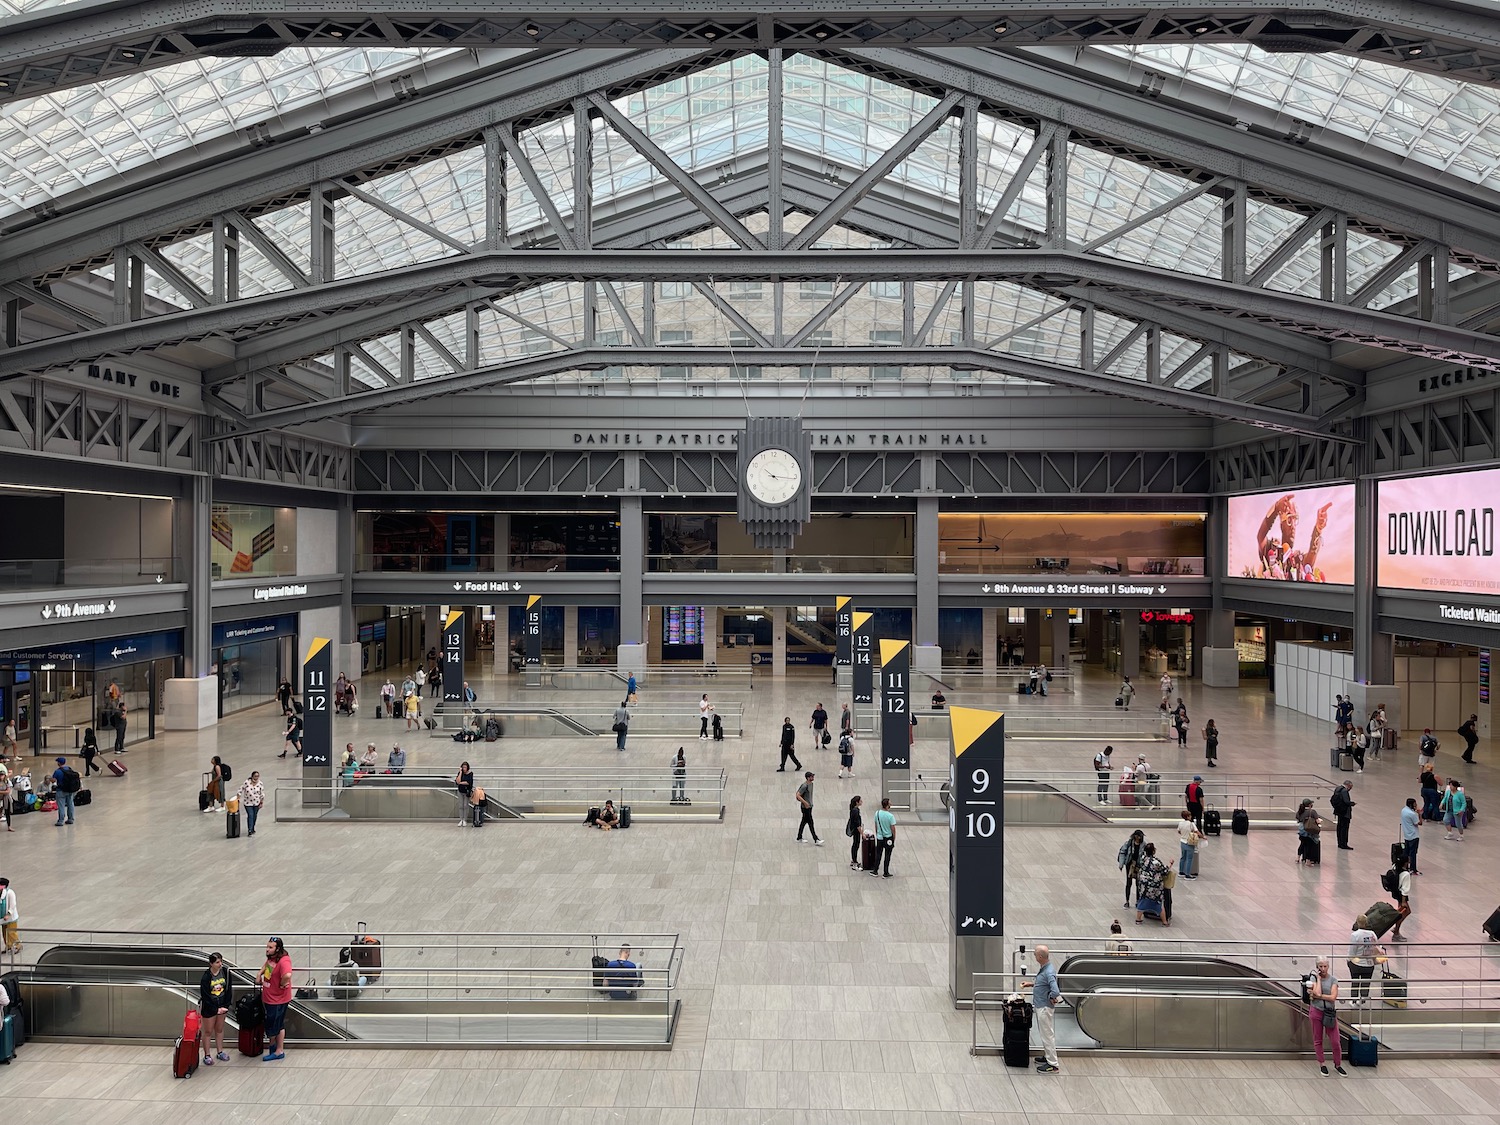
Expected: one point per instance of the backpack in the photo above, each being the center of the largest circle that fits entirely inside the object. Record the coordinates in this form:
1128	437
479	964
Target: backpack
1100	762
70	782
1391	881
224	771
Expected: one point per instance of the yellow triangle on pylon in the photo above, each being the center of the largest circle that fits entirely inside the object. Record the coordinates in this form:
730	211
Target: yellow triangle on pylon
889	650
453	615
968	723
531	601
840	603
860	620
318	645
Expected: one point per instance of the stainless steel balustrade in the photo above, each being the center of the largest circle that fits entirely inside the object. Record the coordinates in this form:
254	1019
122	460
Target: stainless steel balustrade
510	794
440	989
583	717
1032	718
656	676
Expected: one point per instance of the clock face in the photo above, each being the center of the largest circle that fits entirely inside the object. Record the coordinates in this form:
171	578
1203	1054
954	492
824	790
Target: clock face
773	476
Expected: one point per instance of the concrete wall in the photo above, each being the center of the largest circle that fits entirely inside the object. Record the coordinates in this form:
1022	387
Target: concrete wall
317	541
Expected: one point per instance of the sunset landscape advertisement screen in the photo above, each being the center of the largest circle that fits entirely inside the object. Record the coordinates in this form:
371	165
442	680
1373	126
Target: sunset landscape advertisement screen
1437	533
1304	535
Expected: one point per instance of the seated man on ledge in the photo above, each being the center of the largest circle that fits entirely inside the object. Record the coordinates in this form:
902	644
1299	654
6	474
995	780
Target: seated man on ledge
397	761
623	985
608	818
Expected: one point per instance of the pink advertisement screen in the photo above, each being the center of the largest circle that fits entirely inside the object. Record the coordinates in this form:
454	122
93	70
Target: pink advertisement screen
1438	533
1302	536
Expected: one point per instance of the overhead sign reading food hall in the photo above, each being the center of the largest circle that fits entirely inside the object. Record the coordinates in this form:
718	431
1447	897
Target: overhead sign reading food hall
1437	532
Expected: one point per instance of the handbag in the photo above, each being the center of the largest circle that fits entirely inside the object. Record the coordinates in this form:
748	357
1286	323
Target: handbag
309	991
616	728
1169	880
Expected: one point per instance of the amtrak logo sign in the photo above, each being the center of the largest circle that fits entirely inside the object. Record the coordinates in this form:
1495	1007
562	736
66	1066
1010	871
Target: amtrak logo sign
65	611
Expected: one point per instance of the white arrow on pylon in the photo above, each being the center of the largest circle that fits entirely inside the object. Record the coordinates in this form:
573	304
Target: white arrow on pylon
457	586
985	587
111	605
46	611
1162	589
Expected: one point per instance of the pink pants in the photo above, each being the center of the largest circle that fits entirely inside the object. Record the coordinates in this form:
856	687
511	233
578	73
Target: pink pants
1332	1029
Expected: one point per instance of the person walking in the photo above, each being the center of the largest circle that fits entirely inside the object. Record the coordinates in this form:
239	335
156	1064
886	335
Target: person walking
65	785
704	707
291	738
855	830
252	795
120	722
1411	834
630	685
1469	732
1310	834
412	705
885	834
1343	803
1211	744
1323	987
1102	768
388	698
1454	806
805	801
788	745
1358	742
1045	995
1129	857
846	720
284	696
679	778
215	998
1401	895
1363	950
819	724
276	995
1127	693
90	752
1427	748
621	723
215	784
10	920
1166	686
1181	722
1193	794
1187	838
5	798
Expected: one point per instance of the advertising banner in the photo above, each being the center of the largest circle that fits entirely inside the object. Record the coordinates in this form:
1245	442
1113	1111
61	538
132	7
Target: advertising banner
1437	533
1306	535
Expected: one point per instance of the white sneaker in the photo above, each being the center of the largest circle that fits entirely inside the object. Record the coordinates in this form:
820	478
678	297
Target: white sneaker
818	843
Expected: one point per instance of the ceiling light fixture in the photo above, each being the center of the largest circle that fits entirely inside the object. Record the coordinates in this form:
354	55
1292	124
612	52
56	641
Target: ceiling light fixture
1413	52
532	30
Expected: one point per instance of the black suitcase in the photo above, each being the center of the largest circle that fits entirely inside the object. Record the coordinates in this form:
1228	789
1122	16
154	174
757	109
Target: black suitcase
599	963
624	816
17	1008
379	711
204	800
1213	823
1239	820
1398	850
1015	1046
83	797
232	825
1491	926
869	854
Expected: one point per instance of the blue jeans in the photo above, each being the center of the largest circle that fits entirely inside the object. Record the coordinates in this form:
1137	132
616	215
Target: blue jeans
1185	861
620	737
251	812
64	805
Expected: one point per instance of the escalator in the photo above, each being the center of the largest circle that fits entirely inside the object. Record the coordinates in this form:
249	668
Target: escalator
811	635
410	797
123	992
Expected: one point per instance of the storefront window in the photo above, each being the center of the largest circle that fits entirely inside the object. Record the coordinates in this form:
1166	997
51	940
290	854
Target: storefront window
251	541
1081	543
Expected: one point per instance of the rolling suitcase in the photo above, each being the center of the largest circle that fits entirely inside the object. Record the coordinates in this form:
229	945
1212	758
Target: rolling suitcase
185	1048
11	982
8	1039
1491	926
869	854
1398	849
1362	1049
1239	820
624	816
117	767
1392	989
1015	1045
1213	824
232	825
253	1039
365	952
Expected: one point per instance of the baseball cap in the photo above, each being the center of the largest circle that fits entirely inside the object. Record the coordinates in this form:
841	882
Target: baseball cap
1197	777
62	761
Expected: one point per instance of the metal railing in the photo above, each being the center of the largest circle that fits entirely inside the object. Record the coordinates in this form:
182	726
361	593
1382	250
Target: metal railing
428	562
767	564
658	678
581	717
988	561
528	793
436	989
997	684
43	574
1270	799
1029	718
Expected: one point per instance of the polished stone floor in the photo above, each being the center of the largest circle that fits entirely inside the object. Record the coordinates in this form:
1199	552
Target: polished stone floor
811	994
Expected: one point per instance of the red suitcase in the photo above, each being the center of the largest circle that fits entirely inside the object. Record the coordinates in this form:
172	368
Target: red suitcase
185	1049
253	1039
116	767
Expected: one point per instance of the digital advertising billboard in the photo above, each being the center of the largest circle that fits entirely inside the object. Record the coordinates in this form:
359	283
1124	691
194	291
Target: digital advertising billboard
1305	535
1437	533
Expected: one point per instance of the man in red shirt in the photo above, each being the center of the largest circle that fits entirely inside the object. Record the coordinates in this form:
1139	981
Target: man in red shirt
276	994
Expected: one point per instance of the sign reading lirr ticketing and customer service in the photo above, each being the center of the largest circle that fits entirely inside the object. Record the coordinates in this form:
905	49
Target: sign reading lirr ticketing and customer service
1437	533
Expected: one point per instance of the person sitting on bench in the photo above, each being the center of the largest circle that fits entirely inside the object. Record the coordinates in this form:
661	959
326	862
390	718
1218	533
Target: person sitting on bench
396	763
346	981
623	985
